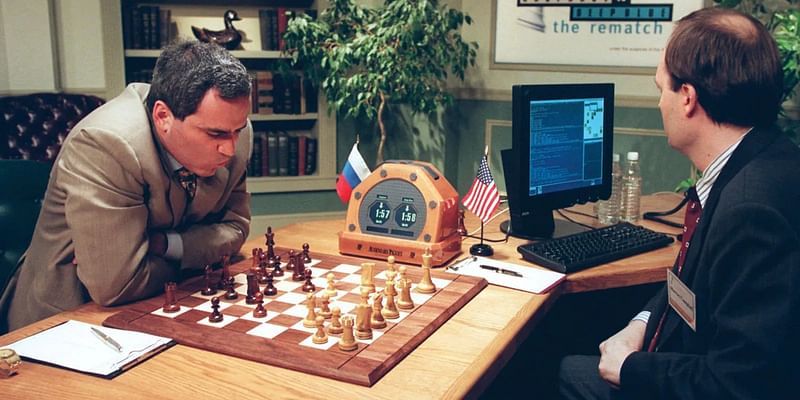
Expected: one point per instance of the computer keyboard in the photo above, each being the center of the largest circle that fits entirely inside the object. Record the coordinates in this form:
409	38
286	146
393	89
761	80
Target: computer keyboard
586	249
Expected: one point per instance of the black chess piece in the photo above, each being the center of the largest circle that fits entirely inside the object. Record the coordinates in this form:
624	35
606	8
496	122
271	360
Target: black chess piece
270	290
226	273
252	288
231	293
297	274
215	315
306	255
270	243
209	289
276	266
170	303
308	286
259	311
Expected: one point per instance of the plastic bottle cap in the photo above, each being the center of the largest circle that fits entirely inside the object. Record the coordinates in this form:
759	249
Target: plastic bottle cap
633	155
615	157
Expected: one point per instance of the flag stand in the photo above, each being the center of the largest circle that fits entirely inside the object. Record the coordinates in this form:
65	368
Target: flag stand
481	249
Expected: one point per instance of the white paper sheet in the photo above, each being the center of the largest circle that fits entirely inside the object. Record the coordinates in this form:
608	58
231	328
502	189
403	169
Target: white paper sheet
533	279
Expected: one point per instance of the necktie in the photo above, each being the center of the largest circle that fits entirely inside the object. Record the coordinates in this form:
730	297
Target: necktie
690	220
188	181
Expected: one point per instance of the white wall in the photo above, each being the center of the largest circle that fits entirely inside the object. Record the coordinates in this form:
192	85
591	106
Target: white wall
3	56
53	45
80	45
28	46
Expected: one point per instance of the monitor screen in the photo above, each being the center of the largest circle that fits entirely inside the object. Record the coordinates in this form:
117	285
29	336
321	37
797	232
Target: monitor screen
562	143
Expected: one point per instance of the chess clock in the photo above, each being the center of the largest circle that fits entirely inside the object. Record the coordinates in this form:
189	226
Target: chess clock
401	209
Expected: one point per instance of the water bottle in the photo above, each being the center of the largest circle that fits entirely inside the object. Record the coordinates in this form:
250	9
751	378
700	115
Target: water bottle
631	189
608	211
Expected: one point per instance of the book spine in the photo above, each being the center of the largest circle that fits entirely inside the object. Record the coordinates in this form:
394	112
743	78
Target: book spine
293	156
264	154
311	155
164	27
301	154
272	158
283	21
283	154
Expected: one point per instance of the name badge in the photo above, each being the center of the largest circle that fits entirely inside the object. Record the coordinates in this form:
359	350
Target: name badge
681	299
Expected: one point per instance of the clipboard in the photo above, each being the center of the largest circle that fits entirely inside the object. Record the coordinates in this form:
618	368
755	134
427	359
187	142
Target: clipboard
72	345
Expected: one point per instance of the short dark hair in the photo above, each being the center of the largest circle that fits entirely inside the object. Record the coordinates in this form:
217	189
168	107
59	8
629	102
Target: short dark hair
186	70
733	63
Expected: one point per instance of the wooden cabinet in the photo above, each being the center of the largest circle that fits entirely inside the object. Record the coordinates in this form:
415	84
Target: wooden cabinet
139	56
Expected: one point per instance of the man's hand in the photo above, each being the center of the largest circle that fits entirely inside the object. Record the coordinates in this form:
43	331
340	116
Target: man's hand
614	350
157	243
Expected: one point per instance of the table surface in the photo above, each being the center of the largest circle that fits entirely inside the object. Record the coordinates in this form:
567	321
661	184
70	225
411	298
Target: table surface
458	360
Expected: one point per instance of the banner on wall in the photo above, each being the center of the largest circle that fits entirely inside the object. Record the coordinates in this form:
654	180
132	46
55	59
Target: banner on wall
630	33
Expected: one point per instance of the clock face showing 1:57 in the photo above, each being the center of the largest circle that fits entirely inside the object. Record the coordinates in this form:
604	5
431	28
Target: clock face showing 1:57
379	212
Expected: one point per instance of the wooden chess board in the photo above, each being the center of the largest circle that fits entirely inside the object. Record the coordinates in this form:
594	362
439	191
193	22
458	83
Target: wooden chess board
280	338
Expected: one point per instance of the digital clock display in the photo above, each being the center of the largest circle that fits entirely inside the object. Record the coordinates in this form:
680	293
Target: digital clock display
379	212
405	216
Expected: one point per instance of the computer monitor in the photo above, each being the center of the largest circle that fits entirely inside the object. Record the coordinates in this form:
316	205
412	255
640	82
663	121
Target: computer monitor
561	149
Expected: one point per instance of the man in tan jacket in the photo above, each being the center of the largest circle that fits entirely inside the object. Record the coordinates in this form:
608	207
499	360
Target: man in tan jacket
148	185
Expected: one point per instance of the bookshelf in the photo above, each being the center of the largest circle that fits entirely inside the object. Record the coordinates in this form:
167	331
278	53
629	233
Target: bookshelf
182	14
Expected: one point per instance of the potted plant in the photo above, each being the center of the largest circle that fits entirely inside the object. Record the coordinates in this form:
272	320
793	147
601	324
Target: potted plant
365	58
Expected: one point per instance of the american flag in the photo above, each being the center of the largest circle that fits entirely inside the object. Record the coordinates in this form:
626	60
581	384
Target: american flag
482	198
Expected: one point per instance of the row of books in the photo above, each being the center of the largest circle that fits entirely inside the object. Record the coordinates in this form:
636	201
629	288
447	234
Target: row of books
146	27
273	22
280	153
274	93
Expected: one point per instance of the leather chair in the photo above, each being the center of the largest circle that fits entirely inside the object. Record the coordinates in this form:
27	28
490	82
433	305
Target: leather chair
33	126
32	130
23	184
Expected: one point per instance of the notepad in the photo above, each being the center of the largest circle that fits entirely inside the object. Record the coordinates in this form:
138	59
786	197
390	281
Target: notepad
74	346
525	278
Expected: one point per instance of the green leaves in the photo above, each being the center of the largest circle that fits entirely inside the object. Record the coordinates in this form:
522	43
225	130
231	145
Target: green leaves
400	52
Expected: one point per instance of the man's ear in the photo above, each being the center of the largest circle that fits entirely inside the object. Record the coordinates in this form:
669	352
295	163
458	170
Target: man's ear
162	117
689	99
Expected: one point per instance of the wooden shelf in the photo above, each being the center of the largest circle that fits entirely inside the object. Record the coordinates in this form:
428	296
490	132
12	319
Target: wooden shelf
275	184
240	54
284	117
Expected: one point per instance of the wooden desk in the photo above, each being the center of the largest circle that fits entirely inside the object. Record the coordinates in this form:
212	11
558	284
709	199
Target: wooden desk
458	360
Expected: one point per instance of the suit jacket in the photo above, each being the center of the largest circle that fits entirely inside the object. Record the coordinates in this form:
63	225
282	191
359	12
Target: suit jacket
743	265
109	186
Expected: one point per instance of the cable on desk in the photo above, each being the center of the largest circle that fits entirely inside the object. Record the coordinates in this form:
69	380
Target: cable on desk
559	211
472	234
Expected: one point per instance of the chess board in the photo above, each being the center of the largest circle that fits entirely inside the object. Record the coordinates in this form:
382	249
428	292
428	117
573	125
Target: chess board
280	338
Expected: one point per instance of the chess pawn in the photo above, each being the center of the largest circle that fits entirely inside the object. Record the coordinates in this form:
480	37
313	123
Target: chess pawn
320	337
226	273
377	320
335	327
308	286
276	267
170	304
425	284
259	311
367	276
390	264
270	289
311	318
462	229
331	289
231	293
348	341
405	302
215	315
325	311
209	289
390	311
306	255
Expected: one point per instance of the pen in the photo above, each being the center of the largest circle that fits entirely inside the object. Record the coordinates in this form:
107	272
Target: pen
107	339
502	270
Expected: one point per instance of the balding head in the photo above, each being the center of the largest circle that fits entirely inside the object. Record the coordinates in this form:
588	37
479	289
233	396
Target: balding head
733	63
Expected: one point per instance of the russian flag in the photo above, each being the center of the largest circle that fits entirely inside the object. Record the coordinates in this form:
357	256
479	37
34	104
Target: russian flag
355	170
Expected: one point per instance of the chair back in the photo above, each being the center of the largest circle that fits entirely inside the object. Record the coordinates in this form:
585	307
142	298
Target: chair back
22	187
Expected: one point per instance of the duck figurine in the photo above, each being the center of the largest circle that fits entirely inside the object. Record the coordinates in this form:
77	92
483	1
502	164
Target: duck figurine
230	38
